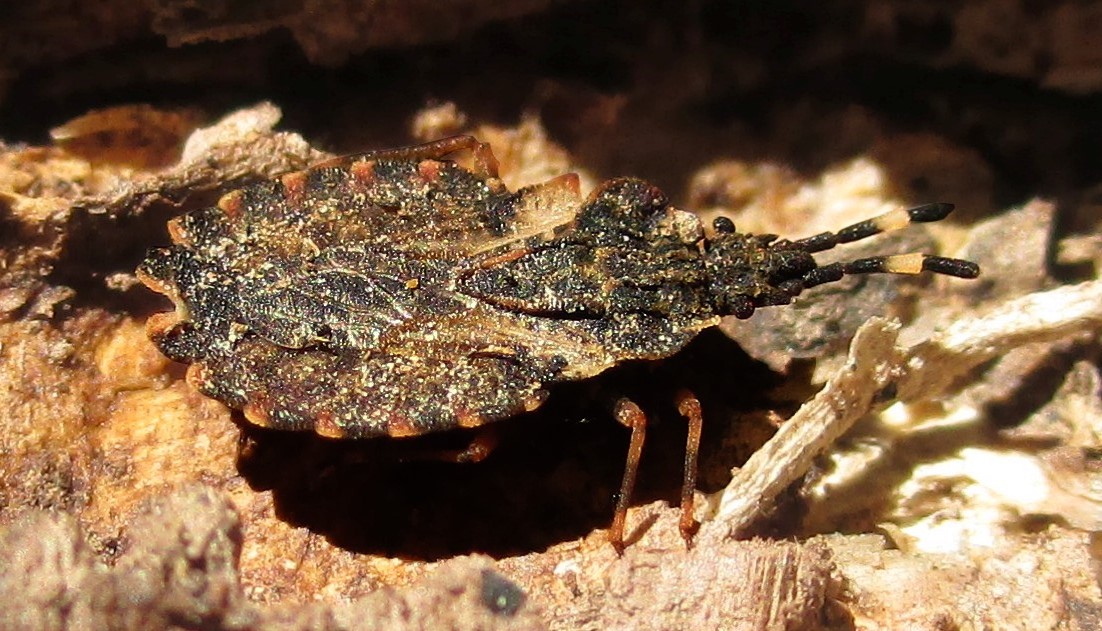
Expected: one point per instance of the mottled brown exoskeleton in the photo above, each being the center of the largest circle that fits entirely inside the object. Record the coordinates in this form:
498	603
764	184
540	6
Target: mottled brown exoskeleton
398	293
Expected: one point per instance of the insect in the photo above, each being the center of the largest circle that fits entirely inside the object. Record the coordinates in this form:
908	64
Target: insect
398	293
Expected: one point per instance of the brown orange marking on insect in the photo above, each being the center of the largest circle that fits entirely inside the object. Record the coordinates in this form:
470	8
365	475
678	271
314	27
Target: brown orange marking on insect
154	283
485	162
363	172
429	170
256	414
467	418
159	324
325	424
503	258
401	426
493	351
232	203
294	186
196	376
569	182
177	233
572	182
534	400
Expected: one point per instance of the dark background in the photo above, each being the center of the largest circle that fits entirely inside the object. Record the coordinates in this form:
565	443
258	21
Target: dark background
1016	83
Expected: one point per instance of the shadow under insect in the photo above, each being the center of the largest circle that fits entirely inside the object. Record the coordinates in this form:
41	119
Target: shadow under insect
552	477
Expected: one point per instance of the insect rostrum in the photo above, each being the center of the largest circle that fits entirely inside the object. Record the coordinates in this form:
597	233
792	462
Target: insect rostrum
400	293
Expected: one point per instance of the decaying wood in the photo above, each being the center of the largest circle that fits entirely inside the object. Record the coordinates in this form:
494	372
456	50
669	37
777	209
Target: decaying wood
924	371
124	430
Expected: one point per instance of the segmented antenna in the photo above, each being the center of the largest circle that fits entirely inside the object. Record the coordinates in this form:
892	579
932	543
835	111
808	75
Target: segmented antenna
913	263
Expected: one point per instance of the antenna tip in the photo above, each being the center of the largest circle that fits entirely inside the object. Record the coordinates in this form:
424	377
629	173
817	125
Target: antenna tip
950	267
930	212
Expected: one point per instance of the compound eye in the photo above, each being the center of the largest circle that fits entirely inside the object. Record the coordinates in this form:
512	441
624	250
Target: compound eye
723	225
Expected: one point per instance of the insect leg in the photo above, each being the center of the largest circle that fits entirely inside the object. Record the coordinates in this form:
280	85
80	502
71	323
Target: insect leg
689	407
629	415
482	444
